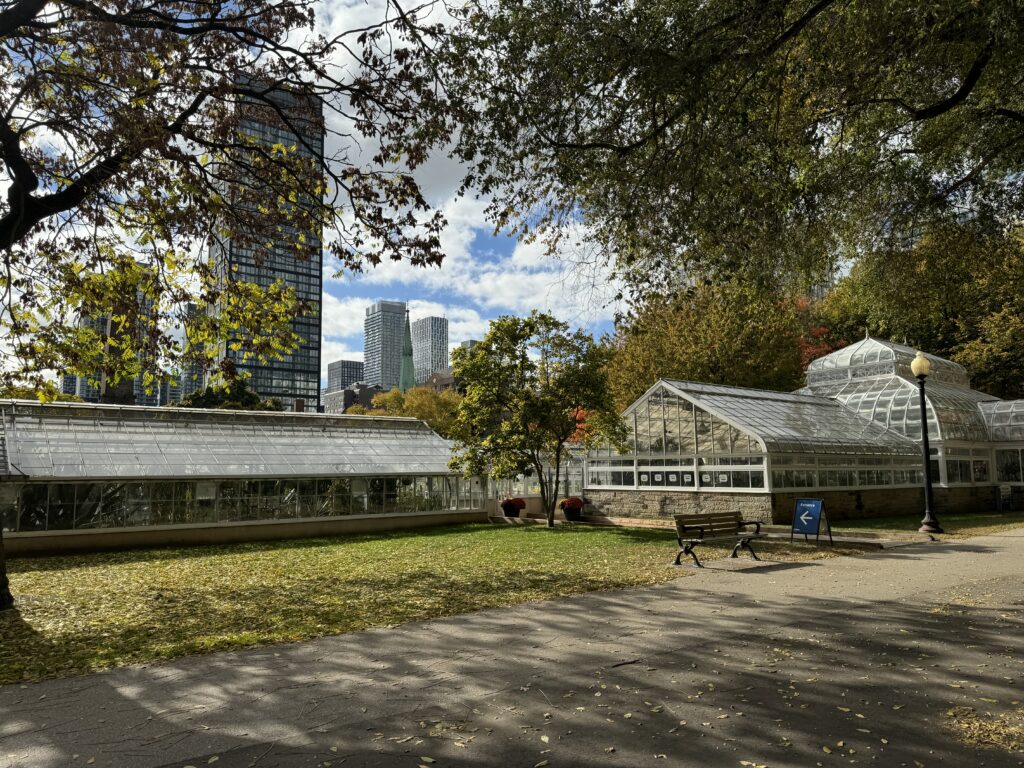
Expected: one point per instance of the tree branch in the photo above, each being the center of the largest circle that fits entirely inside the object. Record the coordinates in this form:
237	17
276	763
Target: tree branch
18	15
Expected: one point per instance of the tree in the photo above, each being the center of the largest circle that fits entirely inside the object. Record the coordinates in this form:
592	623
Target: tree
720	334
955	291
438	409
720	136
357	410
527	384
31	393
234	396
121	144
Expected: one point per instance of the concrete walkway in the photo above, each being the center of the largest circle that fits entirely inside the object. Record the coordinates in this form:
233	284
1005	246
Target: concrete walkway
768	666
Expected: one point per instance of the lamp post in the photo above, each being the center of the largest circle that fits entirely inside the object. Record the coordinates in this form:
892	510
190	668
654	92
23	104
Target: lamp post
920	367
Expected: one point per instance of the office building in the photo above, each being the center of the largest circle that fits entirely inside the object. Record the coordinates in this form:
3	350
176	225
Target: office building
340	400
429	346
343	373
384	332
295	376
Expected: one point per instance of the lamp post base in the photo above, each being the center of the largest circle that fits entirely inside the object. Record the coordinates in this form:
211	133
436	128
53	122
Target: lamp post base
929	526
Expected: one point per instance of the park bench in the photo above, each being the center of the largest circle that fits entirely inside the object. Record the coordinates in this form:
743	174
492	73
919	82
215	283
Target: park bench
694	529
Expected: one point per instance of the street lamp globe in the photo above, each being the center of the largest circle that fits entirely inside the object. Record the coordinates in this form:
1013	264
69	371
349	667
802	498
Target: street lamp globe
920	366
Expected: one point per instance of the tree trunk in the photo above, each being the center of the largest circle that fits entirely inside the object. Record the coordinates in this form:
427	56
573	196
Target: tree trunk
6	598
554	491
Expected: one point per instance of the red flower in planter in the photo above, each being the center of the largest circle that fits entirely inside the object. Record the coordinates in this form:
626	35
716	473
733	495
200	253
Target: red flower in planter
516	503
573	502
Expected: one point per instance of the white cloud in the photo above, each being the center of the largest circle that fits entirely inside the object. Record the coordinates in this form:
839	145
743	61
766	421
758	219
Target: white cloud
343	317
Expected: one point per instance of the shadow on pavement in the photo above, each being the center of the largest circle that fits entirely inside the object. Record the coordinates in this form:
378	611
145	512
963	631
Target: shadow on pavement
701	677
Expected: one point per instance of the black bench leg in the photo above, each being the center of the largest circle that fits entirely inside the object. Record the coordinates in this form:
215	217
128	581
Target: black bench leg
688	550
691	553
750	549
736	548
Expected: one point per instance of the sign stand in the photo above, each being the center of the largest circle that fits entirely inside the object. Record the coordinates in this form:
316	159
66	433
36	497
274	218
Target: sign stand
807	519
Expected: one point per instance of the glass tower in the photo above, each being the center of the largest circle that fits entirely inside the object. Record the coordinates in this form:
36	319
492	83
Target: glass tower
429	346
295	376
384	329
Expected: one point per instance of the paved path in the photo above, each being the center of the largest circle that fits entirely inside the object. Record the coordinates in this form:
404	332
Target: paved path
863	656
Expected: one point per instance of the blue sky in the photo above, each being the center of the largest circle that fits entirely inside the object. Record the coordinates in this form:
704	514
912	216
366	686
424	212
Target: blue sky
483	276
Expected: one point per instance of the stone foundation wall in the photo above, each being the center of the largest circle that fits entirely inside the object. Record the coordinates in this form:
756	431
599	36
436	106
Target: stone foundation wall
852	505
965	499
778	507
661	505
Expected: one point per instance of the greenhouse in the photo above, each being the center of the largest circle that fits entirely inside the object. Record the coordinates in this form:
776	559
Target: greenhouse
70	467
852	436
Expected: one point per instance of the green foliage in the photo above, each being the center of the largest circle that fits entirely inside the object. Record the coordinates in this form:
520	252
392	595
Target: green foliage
719	136
438	409
235	396
721	334
47	393
357	410
90	612
531	387
957	292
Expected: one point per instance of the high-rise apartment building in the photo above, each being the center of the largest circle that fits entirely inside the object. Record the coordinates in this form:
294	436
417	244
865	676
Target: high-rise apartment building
343	373
296	376
429	346
383	332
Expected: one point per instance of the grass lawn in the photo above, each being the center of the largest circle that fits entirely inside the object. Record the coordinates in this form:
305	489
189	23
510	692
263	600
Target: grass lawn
82	613
977	524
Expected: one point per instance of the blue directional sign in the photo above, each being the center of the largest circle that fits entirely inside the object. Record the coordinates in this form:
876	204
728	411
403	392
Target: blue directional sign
807	517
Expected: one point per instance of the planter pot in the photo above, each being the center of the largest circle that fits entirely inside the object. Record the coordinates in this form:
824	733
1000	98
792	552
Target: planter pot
573	513
511	511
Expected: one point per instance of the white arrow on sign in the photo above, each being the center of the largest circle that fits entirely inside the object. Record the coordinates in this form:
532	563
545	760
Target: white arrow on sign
805	518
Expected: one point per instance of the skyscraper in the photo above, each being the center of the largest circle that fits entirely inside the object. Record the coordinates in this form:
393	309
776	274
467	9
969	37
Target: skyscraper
343	373
297	375
429	346
383	332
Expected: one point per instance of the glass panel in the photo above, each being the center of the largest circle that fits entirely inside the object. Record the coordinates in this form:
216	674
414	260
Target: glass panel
671	426
113	506
230	506
9	497
136	504
162	503
62	507
657	416
33	508
980	471
360	495
201	501
643	431
687	443
375	496
1008	469
703	427
405	500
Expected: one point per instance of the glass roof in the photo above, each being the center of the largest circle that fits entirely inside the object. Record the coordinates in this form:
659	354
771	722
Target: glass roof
796	423
1005	419
953	412
872	357
68	441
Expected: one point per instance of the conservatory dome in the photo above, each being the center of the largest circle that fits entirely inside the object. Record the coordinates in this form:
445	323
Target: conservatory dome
873	379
